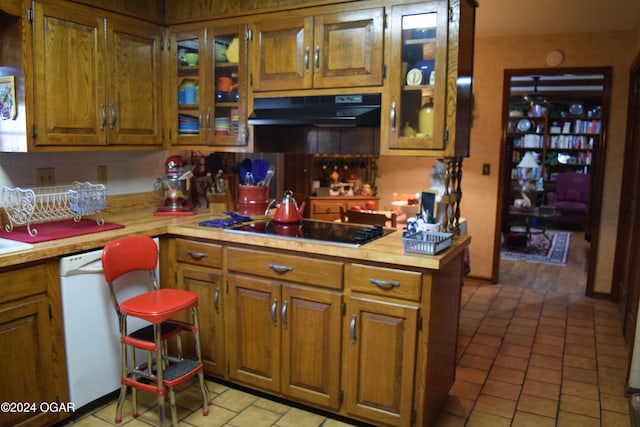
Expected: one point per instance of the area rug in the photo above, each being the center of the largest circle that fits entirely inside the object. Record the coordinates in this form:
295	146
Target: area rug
539	250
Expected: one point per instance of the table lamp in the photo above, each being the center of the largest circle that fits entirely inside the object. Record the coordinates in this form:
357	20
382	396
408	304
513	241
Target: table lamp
528	162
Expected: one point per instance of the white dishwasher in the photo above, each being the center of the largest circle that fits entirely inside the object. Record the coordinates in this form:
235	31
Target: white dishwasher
91	335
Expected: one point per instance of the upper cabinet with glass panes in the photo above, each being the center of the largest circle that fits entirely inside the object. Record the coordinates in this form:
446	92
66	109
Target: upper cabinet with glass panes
209	91
429	87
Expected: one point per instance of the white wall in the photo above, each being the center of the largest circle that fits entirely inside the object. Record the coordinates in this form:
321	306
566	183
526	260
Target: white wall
127	171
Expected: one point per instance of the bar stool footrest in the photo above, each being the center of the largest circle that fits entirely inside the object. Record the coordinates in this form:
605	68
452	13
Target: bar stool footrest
181	369
168	329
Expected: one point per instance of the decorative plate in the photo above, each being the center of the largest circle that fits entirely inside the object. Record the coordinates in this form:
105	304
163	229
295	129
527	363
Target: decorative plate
576	109
414	77
524	125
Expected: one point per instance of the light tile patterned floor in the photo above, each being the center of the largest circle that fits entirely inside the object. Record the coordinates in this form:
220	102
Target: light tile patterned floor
526	357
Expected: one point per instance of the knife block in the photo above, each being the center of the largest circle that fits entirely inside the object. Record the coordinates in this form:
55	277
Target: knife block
219	203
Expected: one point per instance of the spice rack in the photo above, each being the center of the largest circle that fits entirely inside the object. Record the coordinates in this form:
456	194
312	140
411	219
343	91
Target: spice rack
46	204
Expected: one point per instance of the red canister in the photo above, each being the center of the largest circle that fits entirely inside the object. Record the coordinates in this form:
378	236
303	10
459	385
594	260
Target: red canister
253	199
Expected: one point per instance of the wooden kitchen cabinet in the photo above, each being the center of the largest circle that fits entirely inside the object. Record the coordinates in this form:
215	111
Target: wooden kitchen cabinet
199	270
31	344
327	50
209	94
286	334
378	379
328	208
96	79
309	327
404	382
426	107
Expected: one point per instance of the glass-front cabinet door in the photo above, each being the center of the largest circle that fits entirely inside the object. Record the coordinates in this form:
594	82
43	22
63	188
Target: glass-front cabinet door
226	125
415	106
210	87
189	87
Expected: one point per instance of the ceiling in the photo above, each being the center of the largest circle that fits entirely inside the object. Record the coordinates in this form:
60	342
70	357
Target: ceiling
499	18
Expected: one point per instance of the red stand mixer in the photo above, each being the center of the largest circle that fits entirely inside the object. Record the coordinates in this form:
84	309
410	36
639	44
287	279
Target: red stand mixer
175	189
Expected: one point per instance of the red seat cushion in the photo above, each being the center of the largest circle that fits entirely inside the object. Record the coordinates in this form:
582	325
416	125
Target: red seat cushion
573	195
158	306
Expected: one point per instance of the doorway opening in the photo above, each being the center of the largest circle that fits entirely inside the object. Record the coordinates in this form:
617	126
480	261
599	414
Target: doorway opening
552	158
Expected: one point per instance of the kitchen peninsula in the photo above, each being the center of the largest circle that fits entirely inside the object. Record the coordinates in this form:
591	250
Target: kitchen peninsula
297	319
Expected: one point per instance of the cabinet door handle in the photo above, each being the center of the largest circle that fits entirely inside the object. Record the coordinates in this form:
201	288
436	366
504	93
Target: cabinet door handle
216	300
352	329
306	59
283	313
274	312
392	116
197	255
385	284
113	116
103	115
208	118
280	268
316	58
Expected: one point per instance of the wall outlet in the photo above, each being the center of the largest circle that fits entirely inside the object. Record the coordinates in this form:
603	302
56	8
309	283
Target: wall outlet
45	177
101	174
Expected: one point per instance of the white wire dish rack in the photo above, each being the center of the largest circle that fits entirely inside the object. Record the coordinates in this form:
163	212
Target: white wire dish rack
46	204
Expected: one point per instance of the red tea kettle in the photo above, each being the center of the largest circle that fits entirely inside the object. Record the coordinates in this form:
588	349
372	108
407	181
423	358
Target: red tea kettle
287	210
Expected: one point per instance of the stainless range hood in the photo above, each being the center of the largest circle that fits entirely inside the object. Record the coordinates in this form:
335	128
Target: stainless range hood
322	111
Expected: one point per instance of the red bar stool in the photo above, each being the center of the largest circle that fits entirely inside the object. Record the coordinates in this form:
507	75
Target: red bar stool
161	372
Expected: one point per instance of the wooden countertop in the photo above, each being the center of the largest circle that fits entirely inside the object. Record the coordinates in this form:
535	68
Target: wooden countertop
388	249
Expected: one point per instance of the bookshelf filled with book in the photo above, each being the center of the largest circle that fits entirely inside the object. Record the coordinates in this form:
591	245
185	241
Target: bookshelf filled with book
562	136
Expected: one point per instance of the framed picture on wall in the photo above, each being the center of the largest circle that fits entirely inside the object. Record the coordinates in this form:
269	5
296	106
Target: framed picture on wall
7	98
428	203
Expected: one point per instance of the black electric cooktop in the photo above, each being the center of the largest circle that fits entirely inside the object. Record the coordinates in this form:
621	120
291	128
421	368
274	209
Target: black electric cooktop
331	232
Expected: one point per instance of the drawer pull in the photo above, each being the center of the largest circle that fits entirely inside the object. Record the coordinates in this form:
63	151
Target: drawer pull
280	268
284	315
385	284
216	300
274	312
352	328
197	255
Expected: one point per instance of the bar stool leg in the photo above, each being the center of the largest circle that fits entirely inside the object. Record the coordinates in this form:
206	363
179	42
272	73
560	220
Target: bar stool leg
203	387
134	392
172	402
160	385
123	361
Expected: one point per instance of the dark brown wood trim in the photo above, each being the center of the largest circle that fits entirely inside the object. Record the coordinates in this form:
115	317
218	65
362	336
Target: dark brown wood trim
597	172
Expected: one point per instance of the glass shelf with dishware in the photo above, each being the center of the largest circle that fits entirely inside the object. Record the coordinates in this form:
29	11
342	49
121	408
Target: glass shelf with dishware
418	88
226	103
188	70
416	101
